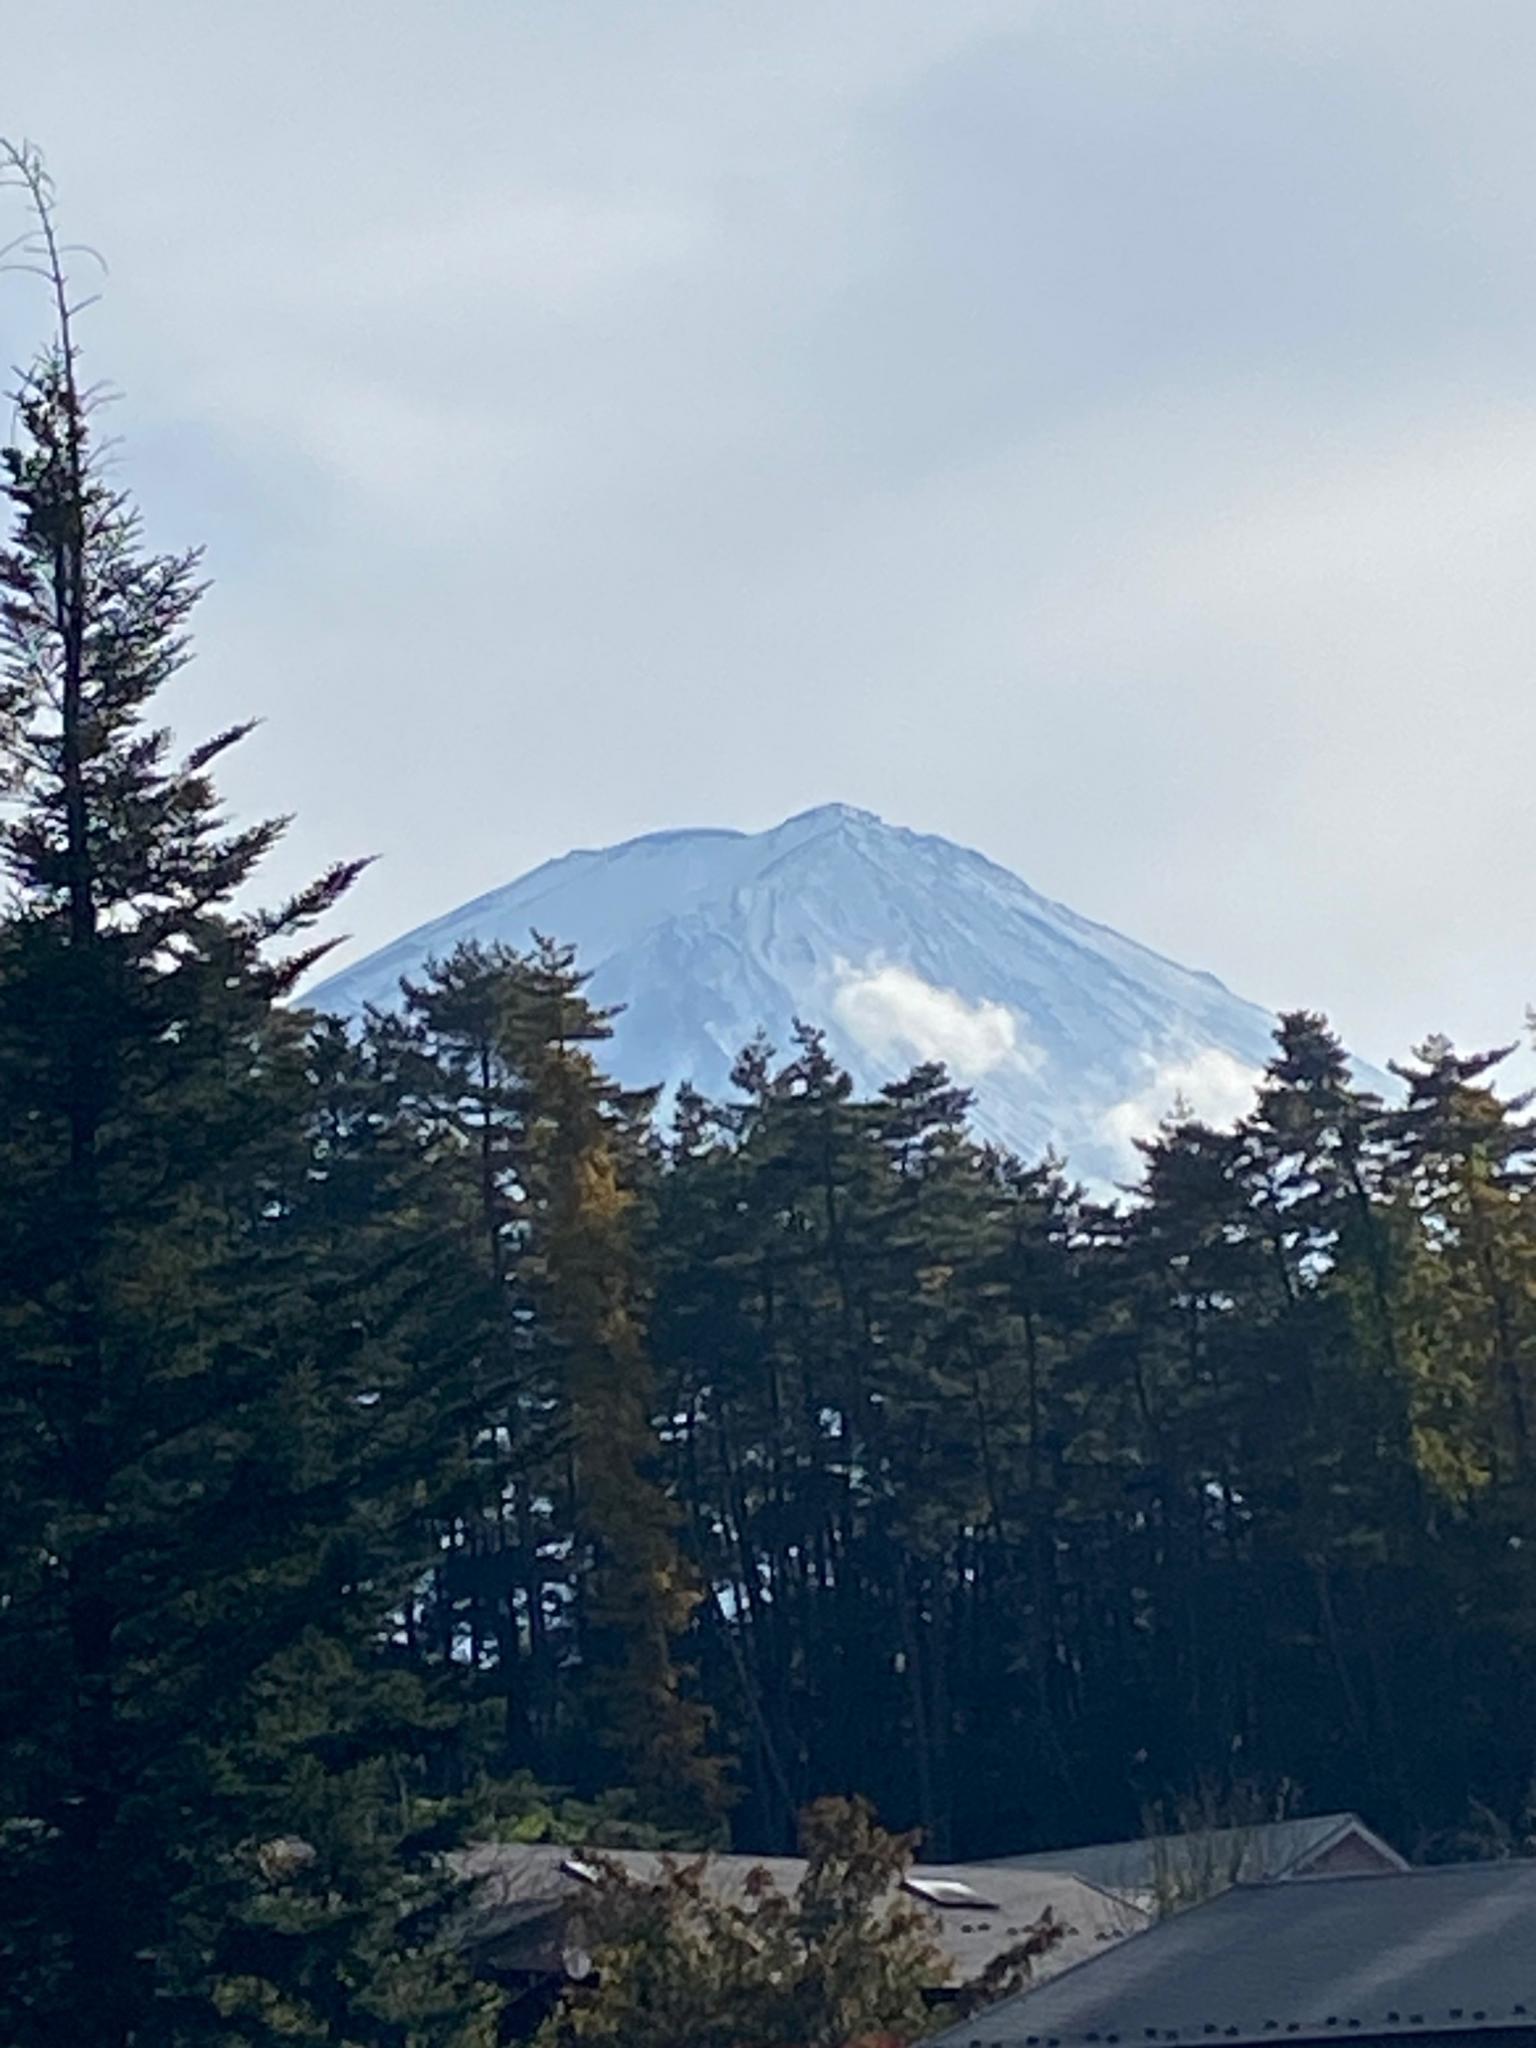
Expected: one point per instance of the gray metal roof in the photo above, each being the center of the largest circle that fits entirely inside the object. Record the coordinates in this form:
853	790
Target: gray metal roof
525	1902
1246	1855
1426	1952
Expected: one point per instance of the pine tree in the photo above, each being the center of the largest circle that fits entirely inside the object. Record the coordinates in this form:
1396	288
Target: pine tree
639	1595
557	1158
1469	1158
494	1599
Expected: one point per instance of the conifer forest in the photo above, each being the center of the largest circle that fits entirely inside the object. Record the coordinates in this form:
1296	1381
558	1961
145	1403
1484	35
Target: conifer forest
408	1435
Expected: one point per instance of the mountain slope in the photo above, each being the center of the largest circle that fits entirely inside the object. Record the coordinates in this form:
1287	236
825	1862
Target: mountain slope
904	946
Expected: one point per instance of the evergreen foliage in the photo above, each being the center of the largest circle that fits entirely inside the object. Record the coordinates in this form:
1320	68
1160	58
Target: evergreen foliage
1091	1508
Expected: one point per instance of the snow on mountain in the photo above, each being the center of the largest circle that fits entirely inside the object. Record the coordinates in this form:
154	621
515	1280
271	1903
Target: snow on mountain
902	945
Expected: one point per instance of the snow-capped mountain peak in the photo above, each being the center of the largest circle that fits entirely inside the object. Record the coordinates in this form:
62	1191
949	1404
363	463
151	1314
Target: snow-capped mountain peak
904	946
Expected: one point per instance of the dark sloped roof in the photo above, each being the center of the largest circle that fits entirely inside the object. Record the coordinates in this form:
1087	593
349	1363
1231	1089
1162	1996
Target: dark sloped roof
1424	1952
1230	1855
525	1900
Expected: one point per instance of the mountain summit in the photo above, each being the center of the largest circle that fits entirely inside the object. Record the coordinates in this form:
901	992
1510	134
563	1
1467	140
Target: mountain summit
904	946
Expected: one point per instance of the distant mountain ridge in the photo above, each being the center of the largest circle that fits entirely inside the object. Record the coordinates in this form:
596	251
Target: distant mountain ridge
902	945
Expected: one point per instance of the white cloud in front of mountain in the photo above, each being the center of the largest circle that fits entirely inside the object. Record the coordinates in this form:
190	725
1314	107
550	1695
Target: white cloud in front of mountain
1212	1084
893	1014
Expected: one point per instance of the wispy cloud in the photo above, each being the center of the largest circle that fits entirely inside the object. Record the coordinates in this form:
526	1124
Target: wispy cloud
1210	1084
893	1014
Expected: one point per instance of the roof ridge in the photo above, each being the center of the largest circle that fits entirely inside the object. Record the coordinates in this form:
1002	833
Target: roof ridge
1461	1869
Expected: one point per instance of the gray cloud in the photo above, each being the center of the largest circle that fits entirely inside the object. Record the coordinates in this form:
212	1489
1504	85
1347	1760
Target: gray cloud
1102	434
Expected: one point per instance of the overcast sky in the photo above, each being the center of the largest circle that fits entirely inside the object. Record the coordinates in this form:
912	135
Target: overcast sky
1102	433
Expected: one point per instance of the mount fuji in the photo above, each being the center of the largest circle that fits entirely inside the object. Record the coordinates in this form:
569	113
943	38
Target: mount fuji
903	946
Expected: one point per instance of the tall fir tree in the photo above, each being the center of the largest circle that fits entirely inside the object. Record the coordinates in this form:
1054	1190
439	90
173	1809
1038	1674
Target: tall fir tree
205	1763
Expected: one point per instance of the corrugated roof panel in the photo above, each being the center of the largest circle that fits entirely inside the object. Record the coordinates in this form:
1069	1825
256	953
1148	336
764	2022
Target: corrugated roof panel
1425	1951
